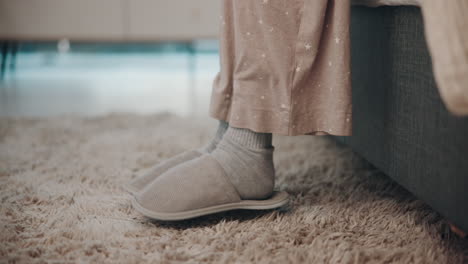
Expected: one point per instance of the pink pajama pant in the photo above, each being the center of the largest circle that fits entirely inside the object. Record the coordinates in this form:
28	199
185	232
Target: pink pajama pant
285	67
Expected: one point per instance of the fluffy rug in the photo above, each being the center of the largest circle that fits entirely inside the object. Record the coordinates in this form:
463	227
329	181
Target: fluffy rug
62	201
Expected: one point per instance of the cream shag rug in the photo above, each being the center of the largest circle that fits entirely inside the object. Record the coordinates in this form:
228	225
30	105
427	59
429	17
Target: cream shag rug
62	201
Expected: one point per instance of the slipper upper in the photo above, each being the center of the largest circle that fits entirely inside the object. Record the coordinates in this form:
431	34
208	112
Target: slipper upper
195	184
150	174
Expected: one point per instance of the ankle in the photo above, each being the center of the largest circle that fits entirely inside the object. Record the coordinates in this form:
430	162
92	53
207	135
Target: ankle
221	130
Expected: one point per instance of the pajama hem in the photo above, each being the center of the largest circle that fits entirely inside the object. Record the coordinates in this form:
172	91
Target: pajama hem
285	67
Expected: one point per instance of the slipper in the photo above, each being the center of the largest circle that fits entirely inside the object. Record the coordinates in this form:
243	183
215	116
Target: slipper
147	176
195	188
277	200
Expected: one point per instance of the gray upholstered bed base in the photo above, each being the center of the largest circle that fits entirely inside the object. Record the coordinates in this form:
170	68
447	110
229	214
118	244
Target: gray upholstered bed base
400	124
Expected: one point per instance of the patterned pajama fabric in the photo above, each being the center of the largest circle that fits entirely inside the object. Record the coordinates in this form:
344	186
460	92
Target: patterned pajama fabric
285	67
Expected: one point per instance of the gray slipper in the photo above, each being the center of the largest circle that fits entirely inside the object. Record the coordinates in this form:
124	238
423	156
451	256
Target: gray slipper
195	188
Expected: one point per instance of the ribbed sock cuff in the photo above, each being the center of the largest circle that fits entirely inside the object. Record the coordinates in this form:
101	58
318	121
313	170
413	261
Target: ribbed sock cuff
248	138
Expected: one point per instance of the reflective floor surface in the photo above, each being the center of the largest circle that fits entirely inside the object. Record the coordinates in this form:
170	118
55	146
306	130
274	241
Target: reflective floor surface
47	82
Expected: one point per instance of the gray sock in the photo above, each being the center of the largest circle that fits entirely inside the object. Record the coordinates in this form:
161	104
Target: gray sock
247	159
222	127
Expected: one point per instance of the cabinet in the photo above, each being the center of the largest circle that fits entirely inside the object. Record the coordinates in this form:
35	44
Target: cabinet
109	20
174	19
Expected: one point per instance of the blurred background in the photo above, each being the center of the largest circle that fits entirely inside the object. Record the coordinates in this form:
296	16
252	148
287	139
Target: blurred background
92	57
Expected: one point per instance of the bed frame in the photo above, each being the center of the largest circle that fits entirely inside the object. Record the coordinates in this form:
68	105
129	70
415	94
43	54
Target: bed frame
400	124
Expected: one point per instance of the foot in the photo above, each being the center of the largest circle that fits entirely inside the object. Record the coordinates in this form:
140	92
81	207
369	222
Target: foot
150	174
239	169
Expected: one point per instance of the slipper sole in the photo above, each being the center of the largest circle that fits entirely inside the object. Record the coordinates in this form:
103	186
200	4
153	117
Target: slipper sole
277	199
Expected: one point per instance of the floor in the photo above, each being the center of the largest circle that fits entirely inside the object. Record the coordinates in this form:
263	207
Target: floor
61	178
95	80
63	202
